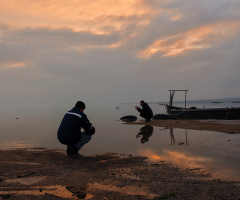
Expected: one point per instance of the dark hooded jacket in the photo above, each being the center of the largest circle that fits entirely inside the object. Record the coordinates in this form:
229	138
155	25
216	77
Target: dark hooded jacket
146	111
69	131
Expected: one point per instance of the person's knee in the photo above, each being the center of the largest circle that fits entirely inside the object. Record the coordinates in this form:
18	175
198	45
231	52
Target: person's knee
143	116
84	140
86	136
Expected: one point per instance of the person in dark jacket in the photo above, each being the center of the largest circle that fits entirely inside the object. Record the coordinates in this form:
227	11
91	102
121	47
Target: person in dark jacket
69	131
145	112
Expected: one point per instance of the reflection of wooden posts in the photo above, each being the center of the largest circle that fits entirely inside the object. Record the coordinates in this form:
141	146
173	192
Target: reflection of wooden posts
186	136
172	136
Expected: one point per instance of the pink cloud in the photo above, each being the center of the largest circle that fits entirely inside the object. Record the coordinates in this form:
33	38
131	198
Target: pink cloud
199	38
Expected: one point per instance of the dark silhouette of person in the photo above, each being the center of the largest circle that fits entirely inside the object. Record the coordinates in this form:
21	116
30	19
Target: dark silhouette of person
145	112
146	133
69	131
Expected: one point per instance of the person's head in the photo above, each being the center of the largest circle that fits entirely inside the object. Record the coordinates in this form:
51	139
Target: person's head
141	103
80	105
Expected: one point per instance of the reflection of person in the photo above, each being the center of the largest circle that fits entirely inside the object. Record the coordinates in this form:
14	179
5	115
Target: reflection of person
145	112
146	133
69	132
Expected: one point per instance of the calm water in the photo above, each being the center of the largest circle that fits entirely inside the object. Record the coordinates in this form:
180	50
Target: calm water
213	151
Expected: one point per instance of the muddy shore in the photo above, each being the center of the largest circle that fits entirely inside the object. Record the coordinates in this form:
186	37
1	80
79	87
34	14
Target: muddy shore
40	173
50	174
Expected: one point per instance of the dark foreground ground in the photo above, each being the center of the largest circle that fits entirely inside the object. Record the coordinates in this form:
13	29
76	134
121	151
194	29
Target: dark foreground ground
50	174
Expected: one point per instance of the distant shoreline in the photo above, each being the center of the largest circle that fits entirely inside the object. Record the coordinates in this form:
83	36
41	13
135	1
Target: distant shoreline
218	100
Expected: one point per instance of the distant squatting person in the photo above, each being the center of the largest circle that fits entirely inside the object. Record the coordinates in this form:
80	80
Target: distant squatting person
146	112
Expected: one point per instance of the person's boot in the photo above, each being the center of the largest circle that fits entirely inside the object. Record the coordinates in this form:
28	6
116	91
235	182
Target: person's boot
72	150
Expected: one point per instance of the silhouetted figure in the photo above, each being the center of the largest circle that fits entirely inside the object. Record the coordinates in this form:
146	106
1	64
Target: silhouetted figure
146	133
69	132
145	112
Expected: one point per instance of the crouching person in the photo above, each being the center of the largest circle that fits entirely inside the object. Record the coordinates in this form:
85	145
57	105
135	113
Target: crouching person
69	131
145	112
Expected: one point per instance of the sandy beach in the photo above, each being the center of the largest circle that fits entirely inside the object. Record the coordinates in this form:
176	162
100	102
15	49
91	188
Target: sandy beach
40	173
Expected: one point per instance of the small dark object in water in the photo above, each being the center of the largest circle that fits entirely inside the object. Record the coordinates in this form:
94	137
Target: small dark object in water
129	118
162	116
16	117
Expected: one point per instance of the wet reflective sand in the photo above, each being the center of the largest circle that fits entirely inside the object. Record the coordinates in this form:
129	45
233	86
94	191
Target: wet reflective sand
104	176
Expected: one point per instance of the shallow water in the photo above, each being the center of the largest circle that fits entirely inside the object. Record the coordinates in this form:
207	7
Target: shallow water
216	152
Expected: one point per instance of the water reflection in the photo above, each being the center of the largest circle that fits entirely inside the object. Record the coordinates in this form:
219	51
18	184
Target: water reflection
145	133
129	190
25	181
172	138
44	191
37	191
213	152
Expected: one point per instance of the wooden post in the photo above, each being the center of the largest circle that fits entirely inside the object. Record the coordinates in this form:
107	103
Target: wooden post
185	98
171	97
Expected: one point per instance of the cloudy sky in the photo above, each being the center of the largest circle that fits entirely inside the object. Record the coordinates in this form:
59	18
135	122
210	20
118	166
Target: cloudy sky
118	51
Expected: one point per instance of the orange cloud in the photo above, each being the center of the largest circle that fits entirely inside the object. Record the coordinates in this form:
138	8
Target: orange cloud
97	16
84	47
19	64
176	17
199	38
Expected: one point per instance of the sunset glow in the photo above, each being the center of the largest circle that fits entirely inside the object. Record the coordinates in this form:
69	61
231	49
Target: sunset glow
177	158
100	16
19	64
123	44
199	38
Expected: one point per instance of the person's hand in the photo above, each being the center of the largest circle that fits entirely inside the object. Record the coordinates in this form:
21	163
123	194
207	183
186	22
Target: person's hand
136	107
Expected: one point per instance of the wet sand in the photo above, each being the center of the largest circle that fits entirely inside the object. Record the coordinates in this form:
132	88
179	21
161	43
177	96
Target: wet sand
228	126
50	174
